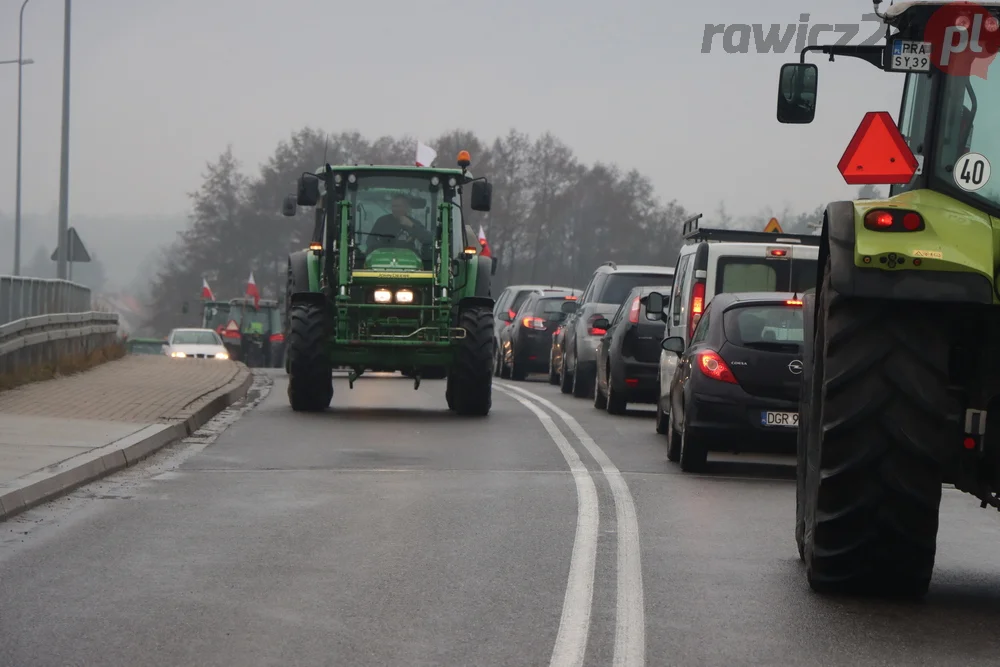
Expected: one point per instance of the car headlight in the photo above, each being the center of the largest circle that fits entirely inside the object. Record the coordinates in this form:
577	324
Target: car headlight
404	296
222	355
177	355
383	296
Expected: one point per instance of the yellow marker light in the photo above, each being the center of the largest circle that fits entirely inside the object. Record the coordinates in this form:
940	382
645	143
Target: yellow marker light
316	246
471	250
464	159
383	296
404	296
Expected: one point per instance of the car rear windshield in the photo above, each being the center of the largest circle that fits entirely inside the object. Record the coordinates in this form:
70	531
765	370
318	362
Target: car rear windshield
618	285
771	325
752	274
520	299
195	338
549	306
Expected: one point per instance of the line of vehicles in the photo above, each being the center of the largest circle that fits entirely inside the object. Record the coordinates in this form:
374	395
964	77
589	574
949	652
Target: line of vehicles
715	342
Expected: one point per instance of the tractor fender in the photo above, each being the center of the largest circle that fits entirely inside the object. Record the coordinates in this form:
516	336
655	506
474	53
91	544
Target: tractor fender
298	272
484	275
471	301
839	242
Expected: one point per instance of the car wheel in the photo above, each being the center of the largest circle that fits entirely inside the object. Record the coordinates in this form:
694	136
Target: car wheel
673	440
600	400
616	401
694	453
565	378
662	421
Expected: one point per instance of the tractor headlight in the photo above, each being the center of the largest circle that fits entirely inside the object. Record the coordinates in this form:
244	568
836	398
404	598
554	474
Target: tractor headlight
352	179
383	296
337	178
404	296
452	182
435	181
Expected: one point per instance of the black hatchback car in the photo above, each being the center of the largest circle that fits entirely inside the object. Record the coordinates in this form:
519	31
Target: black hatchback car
526	344
628	356
736	387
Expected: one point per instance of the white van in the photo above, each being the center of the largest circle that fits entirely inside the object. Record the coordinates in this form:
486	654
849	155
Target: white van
714	261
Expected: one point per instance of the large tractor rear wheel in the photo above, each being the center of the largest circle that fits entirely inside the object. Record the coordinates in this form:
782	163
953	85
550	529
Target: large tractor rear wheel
880	422
310	375
471	378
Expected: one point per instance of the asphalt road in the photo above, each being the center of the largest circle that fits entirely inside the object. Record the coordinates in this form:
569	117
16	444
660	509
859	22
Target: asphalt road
388	531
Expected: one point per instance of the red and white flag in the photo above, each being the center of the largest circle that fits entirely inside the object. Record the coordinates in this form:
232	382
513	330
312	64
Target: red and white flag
482	241
253	291
206	291
425	155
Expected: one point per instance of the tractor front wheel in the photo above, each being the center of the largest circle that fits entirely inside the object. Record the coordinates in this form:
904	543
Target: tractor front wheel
471	377
310	375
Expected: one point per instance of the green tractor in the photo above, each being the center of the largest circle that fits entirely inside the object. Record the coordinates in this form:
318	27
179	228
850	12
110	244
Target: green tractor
391	281
902	335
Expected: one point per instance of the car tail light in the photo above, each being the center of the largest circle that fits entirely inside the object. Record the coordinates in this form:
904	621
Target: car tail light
712	365
633	313
557	331
884	220
777	252
512	314
793	302
533	323
278	338
697	306
632	382
571	298
591	329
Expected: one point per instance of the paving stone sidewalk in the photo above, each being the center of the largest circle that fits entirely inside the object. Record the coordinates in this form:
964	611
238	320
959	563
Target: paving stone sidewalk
60	433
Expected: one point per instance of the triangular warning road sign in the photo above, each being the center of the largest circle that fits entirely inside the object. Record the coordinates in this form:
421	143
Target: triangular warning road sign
77	253
878	154
772	226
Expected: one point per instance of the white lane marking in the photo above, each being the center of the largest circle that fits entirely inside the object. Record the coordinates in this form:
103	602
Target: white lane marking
574	625
630	615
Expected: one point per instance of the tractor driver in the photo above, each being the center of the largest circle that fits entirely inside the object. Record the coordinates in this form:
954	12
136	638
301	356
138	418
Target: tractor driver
398	228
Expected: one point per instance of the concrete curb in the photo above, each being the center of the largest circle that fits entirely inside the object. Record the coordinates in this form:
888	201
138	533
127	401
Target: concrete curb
47	484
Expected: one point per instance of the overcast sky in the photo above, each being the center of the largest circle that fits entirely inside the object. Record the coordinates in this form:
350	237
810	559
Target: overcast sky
160	88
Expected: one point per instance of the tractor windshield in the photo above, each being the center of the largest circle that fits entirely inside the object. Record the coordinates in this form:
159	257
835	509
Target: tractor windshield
400	211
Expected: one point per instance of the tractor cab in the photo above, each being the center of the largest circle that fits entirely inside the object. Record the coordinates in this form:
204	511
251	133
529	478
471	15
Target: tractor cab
950	106
215	315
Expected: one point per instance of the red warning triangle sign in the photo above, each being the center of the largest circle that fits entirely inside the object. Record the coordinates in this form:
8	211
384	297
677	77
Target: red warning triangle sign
878	154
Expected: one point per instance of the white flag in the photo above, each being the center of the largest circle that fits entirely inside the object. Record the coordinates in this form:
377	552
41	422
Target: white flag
425	155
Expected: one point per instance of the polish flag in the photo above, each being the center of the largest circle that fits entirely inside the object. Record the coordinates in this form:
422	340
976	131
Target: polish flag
482	241
425	155
206	291
253	291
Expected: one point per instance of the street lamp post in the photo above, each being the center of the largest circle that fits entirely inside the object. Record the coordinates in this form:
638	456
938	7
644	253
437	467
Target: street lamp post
62	251
17	192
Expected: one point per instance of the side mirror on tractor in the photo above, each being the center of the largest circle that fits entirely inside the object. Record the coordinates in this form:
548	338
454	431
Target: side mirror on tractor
308	191
290	206
797	93
655	304
482	196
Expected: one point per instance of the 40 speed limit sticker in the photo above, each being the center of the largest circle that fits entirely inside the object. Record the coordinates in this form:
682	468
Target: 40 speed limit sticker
972	172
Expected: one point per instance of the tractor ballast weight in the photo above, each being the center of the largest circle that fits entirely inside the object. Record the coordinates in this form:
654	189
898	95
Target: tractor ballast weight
902	336
391	281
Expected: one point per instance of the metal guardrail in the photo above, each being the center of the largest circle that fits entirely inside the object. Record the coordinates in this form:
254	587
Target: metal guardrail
29	297
32	331
44	322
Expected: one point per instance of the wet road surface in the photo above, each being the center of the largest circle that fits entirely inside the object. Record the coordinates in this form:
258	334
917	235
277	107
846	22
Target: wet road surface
388	531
